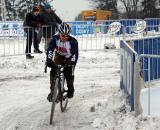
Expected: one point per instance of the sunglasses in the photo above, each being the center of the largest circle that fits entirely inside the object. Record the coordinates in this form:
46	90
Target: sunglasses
64	35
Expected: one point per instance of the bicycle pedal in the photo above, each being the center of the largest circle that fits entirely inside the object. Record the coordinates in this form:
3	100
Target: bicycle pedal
64	97
57	101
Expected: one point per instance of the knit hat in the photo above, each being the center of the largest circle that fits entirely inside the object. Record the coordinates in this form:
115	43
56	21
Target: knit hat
47	6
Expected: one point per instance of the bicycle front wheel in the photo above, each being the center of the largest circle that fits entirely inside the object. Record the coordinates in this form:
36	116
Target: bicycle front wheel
63	93
55	93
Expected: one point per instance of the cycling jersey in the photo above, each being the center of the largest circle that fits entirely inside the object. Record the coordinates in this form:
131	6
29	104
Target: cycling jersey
68	49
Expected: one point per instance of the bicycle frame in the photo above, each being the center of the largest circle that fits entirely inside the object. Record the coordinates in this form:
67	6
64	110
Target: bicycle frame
58	92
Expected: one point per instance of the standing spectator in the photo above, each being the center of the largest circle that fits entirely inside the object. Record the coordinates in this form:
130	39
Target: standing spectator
33	23
50	20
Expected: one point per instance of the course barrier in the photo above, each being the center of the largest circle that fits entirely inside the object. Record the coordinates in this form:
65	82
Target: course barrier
140	63
15	28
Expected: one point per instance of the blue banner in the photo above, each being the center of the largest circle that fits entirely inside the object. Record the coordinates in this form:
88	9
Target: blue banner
80	28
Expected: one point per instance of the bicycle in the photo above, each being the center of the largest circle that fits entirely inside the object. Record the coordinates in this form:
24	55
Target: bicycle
60	92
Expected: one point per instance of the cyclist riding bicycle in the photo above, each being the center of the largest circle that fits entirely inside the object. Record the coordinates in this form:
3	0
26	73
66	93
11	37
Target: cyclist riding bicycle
62	50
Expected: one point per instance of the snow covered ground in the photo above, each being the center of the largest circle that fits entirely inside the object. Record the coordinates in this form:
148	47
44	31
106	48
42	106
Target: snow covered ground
154	99
98	104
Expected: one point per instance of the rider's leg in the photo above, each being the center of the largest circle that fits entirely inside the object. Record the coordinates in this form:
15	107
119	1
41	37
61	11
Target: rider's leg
57	61
68	73
70	85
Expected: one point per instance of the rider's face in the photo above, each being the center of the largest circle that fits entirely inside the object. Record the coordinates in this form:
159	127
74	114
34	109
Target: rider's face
63	37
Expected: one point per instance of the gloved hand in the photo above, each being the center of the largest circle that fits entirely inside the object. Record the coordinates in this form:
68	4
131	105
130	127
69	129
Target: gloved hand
51	64
68	61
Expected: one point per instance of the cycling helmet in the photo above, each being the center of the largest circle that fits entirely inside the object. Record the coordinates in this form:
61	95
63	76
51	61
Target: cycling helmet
64	28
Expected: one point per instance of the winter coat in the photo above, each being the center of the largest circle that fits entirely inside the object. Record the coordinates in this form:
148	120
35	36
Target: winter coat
50	20
32	21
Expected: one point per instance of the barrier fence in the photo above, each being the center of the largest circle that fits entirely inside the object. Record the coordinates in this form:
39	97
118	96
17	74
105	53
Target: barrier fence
86	27
149	46
90	34
130	73
15	44
150	75
140	62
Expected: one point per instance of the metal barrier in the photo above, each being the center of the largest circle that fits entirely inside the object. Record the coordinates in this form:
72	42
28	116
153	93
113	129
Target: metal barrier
149	74
101	36
16	45
90	35
129	76
140	62
149	45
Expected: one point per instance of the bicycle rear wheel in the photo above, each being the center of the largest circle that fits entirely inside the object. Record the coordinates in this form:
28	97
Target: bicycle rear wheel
55	93
63	93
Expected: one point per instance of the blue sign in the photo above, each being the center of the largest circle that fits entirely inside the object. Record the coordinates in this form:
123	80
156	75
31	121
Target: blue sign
80	28
149	46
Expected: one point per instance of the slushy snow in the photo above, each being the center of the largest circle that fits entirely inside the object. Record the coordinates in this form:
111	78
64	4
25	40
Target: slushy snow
98	103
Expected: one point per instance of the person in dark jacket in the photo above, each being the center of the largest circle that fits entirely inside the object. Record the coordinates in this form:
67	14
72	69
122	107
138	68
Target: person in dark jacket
50	22
32	24
62	50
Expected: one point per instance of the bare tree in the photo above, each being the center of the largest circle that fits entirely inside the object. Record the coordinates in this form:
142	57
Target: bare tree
149	9
131	8
110	5
16	9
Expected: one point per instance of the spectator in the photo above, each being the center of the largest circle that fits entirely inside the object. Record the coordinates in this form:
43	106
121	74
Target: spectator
50	20
33	21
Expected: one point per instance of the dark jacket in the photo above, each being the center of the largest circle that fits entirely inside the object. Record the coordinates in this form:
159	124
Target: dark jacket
53	47
32	21
51	20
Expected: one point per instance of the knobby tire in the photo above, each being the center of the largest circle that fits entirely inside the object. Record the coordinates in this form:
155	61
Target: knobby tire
54	101
63	100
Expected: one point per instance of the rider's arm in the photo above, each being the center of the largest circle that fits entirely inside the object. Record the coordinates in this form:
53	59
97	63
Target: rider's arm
50	51
74	51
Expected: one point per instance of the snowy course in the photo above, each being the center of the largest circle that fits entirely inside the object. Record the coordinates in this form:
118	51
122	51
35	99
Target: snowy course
98	104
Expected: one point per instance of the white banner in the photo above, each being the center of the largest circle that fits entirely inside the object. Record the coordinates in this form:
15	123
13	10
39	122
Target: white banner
140	26
11	28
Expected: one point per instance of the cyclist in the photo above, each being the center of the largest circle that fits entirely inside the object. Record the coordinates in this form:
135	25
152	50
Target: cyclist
62	50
